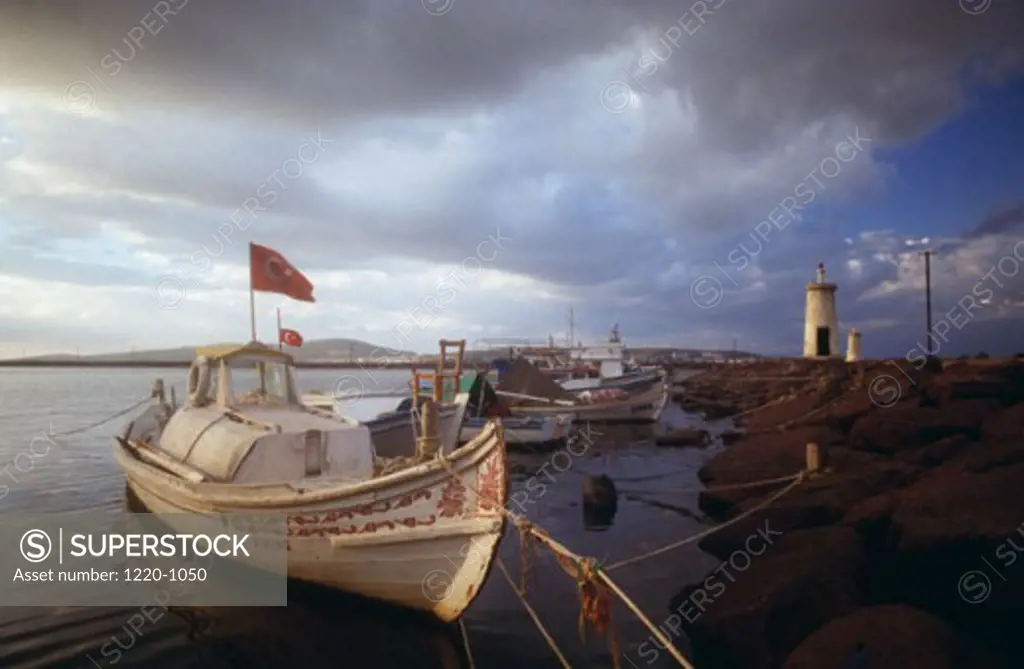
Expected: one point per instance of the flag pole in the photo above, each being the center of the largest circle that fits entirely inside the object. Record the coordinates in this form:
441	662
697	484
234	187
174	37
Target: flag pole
280	346
252	298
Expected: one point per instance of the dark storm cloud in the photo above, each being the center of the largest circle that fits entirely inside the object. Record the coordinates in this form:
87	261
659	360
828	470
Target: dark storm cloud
1001	221
306	58
496	107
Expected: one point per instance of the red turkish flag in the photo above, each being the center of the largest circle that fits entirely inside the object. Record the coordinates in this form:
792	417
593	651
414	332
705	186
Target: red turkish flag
290	337
269	272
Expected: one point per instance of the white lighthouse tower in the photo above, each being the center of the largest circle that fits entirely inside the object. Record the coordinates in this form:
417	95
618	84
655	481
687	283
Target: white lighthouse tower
821	327
853	346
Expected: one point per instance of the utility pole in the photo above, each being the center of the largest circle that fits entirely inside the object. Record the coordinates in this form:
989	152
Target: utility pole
928	294
572	327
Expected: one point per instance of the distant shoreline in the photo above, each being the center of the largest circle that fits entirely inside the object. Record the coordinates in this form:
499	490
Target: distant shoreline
127	364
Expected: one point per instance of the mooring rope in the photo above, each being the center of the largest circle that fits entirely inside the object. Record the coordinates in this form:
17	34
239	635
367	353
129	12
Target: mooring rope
592	578
700	535
465	643
105	420
715	488
782	427
533	614
591	569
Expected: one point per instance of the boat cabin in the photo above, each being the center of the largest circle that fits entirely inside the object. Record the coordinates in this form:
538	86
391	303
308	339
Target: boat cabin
237	376
243	423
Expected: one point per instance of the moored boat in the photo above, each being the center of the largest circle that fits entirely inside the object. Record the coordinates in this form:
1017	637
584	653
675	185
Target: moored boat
394	430
418	530
528	432
615	368
529	393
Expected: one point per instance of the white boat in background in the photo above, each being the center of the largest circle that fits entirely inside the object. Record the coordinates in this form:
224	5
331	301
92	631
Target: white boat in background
615	369
528	432
528	393
394	430
374	526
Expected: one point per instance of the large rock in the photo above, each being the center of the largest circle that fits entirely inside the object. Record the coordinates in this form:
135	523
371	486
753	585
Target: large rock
754	617
1007	424
818	501
952	544
905	427
893	637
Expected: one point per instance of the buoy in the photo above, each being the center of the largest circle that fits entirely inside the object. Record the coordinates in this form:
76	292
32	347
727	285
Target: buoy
600	501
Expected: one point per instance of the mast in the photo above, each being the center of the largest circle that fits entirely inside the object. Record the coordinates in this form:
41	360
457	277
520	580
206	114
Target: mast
252	298
572	327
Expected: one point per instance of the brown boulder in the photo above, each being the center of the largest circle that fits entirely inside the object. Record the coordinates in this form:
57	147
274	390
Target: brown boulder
906	427
893	637
948	544
815	502
984	456
755	617
1002	390
939	452
786	412
1007	424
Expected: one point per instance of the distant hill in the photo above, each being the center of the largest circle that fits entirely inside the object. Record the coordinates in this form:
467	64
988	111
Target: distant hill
341	350
314	350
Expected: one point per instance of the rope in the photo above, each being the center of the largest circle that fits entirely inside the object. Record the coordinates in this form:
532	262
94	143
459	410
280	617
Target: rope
747	412
105	420
592	580
700	535
533	614
465	642
526	553
789	423
669	646
717	488
595	600
590	568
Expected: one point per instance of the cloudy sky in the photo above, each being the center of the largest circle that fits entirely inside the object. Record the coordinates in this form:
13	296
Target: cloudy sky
476	168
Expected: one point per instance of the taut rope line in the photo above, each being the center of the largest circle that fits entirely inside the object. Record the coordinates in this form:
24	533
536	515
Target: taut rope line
105	420
711	530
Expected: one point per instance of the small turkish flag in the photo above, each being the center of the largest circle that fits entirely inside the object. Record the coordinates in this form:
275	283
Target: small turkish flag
269	272
290	337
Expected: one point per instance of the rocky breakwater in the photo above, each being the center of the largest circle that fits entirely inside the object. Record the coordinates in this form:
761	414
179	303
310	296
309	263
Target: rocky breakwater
912	543
726	390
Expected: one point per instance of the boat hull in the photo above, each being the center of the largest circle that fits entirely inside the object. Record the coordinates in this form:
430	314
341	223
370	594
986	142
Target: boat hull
528	432
394	434
630	382
642	407
421	538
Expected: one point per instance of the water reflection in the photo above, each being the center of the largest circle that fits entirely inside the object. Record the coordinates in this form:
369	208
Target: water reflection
322	628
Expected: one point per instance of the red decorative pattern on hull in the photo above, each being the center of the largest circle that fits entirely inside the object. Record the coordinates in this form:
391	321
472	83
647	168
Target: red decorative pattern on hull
491	482
453	499
371	509
369	528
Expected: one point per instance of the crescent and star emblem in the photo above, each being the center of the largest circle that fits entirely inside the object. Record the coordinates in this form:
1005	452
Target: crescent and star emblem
277	270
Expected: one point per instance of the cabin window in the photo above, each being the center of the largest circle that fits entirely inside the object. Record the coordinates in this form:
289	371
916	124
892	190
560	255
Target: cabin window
214	387
255	380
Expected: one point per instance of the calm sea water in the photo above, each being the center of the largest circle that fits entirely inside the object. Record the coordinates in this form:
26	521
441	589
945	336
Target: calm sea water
79	475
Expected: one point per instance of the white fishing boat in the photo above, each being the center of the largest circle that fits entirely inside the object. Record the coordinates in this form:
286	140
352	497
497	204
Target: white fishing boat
530	432
394	430
528	393
615	368
378	527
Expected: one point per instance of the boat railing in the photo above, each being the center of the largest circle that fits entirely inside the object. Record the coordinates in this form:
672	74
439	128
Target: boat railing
438	378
